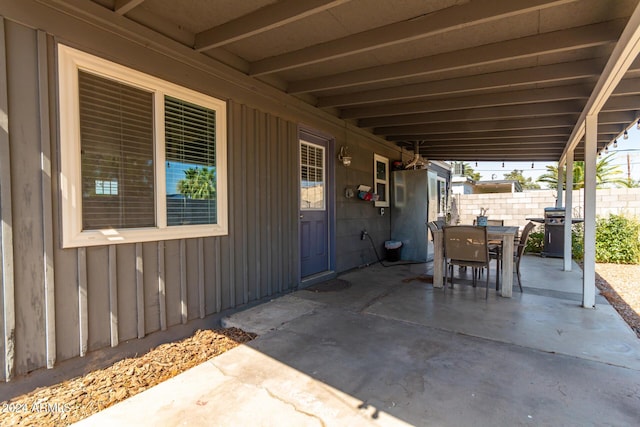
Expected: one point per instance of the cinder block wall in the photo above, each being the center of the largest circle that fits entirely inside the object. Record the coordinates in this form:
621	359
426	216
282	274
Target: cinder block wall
515	208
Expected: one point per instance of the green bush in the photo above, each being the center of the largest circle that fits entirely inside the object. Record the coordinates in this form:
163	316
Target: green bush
577	241
536	240
535	243
618	240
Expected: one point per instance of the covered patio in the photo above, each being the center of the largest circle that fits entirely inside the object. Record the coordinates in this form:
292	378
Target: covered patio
381	347
409	81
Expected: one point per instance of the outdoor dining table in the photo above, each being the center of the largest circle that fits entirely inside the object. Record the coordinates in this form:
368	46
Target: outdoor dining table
506	234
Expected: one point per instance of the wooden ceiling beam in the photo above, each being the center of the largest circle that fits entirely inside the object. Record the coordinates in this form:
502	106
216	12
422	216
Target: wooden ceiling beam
491	144
513	135
627	87
488	150
559	93
622	103
124	6
550	154
624	55
524	47
541	109
617	117
482	82
438	22
525	149
535	123
264	19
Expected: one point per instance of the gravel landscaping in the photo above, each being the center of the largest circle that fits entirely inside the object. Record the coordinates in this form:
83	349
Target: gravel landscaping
620	285
73	400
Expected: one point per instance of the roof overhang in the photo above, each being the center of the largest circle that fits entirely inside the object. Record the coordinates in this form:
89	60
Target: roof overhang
463	80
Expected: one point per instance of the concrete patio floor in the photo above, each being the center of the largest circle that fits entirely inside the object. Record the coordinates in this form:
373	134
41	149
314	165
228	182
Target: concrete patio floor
389	352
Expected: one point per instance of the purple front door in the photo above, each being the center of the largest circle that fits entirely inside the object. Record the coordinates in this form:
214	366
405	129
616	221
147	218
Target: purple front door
314	226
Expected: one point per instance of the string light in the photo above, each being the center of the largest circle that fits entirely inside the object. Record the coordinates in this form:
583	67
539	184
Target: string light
625	135
638	125
502	164
476	164
532	166
606	150
615	143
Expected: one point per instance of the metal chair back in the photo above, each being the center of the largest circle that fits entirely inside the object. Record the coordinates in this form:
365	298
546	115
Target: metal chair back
466	243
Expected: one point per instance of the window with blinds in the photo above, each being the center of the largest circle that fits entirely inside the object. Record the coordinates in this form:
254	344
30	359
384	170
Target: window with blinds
142	159
116	146
190	155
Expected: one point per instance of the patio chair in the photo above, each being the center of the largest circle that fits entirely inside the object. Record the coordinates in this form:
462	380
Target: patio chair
518	252
466	245
495	249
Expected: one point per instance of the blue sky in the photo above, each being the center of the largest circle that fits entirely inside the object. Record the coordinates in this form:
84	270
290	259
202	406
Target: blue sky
629	147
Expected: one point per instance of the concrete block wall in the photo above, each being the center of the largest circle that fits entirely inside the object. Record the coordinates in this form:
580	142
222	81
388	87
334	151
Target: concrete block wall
515	208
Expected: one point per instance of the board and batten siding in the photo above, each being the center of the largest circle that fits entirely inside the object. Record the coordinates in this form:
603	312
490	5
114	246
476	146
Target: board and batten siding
57	304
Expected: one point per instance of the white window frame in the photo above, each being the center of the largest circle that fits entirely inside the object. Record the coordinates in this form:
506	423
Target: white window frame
381	159
324	177
69	62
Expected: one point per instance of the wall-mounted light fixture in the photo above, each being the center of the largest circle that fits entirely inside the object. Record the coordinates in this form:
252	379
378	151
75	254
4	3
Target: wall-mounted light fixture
344	156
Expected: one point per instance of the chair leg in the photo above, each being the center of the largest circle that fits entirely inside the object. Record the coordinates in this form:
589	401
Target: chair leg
446	275
486	292
451	276
518	273
448	268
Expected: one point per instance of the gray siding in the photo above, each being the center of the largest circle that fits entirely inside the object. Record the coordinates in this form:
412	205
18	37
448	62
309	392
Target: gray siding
179	280
24	142
353	214
104	296
7	295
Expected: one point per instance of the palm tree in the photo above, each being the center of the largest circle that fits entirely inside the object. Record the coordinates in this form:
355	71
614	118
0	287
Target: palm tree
470	173
198	183
606	174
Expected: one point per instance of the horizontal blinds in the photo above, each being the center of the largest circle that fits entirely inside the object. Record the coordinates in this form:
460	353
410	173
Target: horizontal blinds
312	176
116	131
190	150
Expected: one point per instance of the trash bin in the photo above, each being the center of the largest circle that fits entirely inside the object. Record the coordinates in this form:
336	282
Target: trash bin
393	249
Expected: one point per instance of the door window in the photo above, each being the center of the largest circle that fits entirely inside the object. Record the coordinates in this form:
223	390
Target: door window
312	177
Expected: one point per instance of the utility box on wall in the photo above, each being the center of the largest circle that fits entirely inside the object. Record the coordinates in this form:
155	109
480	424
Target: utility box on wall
414	202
